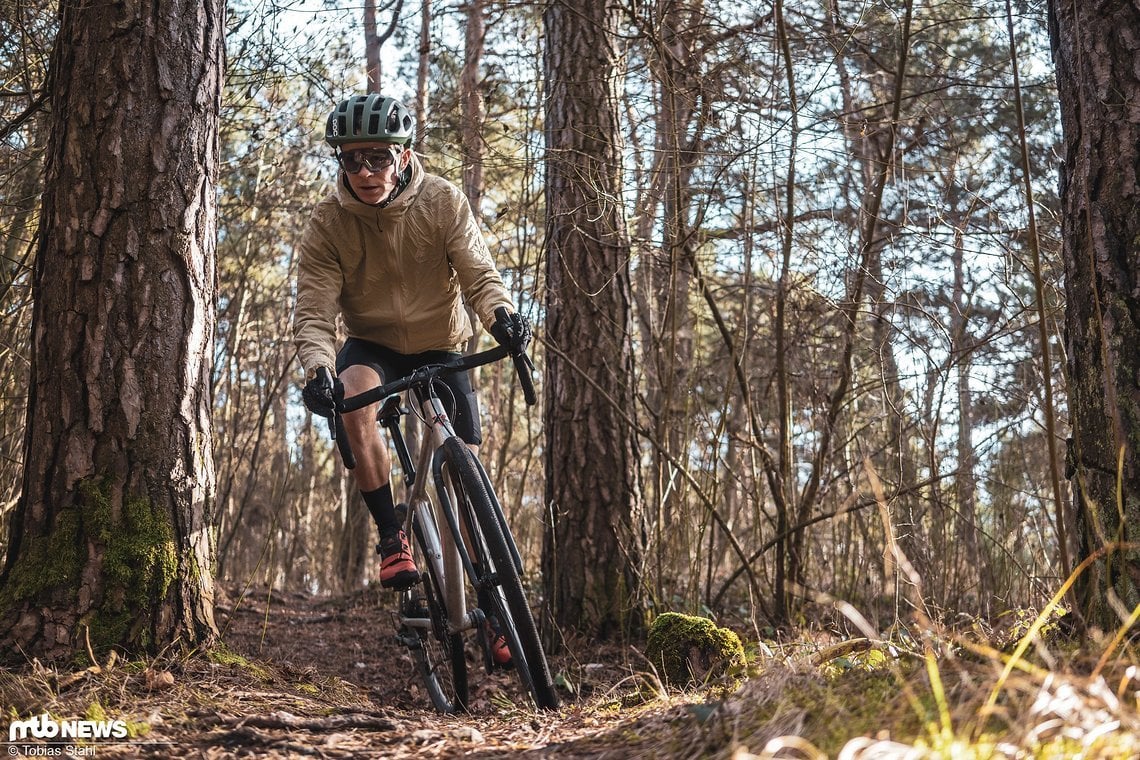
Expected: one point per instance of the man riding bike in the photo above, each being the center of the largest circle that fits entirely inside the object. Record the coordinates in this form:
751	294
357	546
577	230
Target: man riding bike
395	252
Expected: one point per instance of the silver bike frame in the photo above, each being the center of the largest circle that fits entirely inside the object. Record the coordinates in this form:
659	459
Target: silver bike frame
442	552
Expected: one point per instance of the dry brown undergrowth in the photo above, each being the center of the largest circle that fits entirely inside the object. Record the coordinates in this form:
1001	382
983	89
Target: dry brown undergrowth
305	677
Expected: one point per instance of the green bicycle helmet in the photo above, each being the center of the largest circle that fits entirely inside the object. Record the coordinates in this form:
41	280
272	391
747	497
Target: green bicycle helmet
370	118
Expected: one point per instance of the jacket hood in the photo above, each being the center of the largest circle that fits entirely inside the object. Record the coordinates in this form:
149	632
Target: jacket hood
397	207
401	276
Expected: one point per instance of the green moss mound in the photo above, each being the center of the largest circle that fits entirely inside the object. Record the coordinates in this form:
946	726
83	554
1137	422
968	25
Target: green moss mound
688	650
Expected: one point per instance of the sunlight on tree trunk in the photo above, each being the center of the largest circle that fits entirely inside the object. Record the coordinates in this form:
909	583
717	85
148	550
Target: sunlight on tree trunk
1100	191
593	552
423	70
111	541
374	40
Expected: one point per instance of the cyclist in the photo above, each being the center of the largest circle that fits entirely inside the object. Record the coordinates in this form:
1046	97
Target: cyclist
395	252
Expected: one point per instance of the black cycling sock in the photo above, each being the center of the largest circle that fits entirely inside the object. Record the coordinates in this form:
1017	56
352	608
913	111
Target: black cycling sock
383	509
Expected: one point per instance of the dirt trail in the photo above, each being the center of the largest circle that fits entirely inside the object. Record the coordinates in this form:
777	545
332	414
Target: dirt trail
352	691
301	676
352	639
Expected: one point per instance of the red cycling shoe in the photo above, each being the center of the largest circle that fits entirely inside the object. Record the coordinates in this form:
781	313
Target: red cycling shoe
397	568
497	643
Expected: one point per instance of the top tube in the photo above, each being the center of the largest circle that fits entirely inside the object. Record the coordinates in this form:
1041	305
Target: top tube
421	376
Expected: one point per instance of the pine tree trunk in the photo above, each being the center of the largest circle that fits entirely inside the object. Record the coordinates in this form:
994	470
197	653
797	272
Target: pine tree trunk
474	111
371	47
423	69
1095	48
110	542
593	549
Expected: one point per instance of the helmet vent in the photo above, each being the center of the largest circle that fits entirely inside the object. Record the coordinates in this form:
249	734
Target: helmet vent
370	118
357	118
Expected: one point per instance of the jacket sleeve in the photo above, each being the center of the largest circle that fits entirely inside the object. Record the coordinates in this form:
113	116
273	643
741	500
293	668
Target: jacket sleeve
479	279
319	282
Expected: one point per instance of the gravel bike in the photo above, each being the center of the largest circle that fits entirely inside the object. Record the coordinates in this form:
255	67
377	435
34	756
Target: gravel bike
464	548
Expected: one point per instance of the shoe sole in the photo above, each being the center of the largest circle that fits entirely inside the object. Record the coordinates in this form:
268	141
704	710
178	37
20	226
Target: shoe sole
402	580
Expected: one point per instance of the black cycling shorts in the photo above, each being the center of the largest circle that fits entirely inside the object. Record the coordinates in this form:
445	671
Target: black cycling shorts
458	397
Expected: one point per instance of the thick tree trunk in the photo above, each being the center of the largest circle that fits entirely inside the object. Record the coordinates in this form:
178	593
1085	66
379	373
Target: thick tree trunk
593	549
1095	48
111	541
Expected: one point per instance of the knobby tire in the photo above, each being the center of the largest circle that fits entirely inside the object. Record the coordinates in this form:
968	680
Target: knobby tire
518	624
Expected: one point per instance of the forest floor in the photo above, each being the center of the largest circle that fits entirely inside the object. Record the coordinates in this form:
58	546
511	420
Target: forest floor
301	676
322	677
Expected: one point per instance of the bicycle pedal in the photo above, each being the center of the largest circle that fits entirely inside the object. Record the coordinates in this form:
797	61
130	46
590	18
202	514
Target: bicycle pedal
416	607
408	639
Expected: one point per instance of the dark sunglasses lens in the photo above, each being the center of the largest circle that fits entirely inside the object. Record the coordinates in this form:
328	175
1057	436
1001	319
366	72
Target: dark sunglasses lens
355	160
349	162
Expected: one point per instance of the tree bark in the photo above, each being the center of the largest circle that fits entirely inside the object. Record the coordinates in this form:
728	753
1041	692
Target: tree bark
371	47
474	111
593	545
374	40
663	278
972	573
110	540
423	69
1094	48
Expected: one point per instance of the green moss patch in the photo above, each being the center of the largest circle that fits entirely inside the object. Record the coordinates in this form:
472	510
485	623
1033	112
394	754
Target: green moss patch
140	563
222	655
689	650
49	565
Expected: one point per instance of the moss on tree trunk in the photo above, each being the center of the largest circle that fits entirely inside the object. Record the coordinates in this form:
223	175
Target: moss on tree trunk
111	539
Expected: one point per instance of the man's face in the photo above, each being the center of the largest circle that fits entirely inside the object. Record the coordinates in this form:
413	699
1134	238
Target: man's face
377	175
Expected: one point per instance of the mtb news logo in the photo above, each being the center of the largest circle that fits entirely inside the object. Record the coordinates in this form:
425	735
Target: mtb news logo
44	726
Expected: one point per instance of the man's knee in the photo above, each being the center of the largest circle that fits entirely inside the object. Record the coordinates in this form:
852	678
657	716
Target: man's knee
358	378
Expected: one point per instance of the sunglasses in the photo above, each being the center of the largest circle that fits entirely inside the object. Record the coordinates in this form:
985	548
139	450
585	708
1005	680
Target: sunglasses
375	160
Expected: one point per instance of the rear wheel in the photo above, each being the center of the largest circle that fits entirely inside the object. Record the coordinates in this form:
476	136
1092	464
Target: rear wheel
439	655
508	597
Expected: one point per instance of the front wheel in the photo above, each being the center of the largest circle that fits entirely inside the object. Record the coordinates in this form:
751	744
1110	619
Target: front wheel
509	598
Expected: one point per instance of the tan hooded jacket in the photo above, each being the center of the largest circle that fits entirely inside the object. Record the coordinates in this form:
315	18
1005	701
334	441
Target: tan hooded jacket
395	273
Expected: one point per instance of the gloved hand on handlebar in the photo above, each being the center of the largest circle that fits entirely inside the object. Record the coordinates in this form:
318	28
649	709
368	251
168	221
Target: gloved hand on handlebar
511	330
321	392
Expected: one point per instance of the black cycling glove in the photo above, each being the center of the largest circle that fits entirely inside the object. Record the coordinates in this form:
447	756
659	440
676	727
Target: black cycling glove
321	392
512	330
